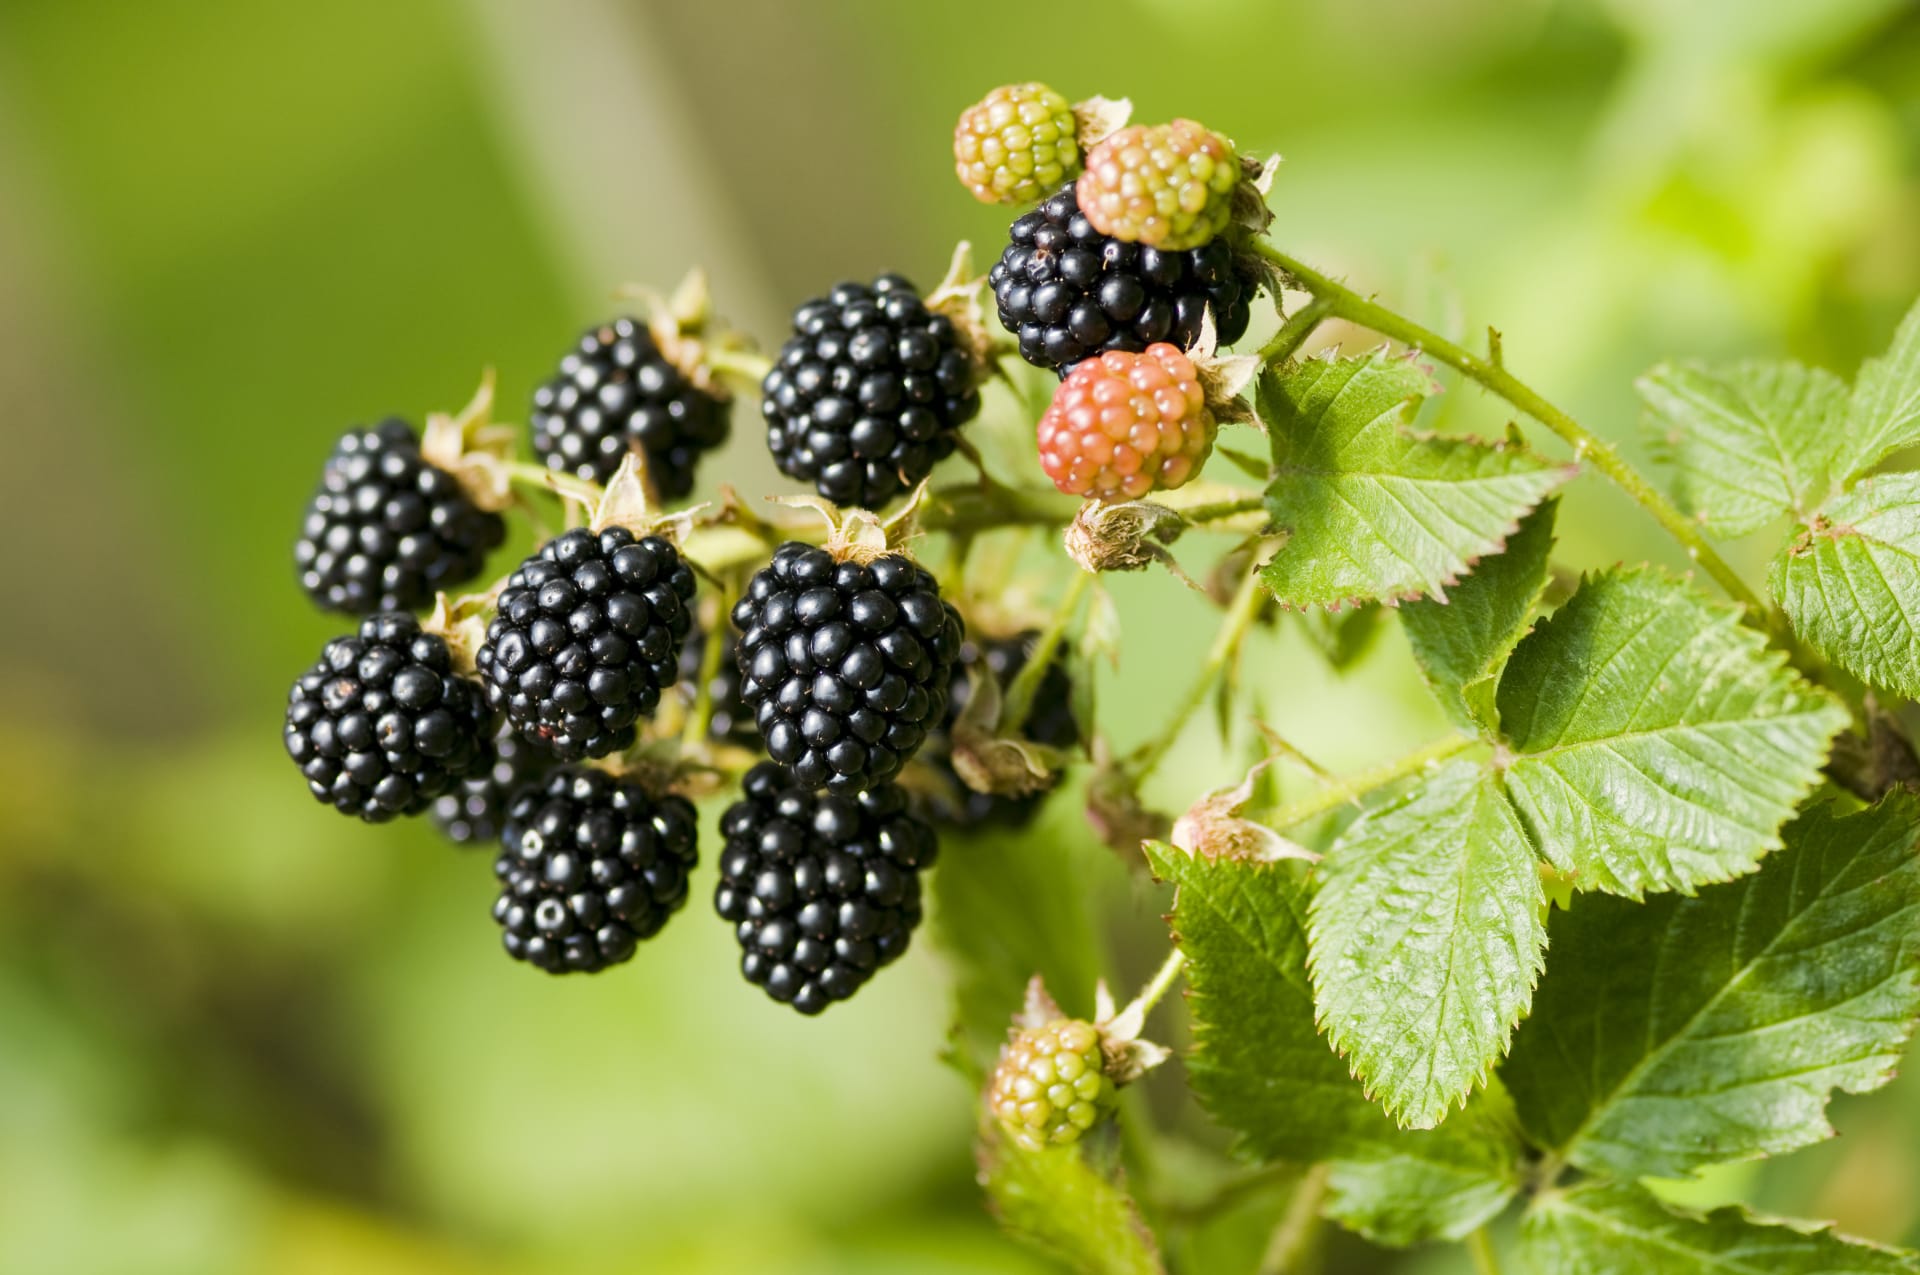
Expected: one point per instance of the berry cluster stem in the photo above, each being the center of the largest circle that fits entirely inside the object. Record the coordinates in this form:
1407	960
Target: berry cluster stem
1162	981
1226	643
1344	303
1294	332
1026	684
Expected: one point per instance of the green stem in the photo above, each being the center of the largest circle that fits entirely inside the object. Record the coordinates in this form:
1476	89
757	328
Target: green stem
1233	628
701	715
1222	509
1344	303
555	480
1294	332
1294	1236
1480	1247
1026	683
1163	979
1348	791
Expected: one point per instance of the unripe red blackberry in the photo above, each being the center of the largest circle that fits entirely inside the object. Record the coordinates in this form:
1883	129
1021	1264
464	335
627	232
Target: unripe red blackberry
1123	425
846	665
1067	292
585	637
822	889
615	392
1050	1086
476	809
1016	144
729	720
589	867
1050	721
867	395
1165	186
386	530
381	724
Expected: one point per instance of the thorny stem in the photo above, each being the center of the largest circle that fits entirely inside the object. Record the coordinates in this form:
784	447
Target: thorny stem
1026	683
1233	628
1294	332
1480	1248
1295	1233
1344	303
1348	791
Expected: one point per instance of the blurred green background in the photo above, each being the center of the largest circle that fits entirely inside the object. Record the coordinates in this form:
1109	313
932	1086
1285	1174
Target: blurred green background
239	1034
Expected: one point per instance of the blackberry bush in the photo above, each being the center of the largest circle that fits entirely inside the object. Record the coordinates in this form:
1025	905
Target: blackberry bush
822	889
590	866
869	393
616	392
1066	292
382	724
585	637
475	810
845	664
386	530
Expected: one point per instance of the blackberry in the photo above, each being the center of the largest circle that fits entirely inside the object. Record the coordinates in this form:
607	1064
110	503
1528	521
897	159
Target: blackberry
822	889
729	720
867	394
586	637
385	530
845	665
590	865
1050	1085
474	811
381	724
1015	144
1167	185
1049	721
1068	292
1125	424
615	391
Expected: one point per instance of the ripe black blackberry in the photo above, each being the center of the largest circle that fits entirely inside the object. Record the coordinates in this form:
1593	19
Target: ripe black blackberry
586	636
476	809
867	395
385	530
1068	292
615	391
590	866
1049	721
381	724
729	720
822	889
845	665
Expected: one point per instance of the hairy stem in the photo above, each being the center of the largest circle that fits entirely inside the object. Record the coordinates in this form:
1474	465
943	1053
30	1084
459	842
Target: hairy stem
1293	1237
1349	791
1344	303
1294	332
1233	629
1026	683
1163	979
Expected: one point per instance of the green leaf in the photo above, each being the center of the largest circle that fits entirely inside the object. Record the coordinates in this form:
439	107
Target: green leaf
1427	939
1748	442
1260	1068
1374	512
1658	744
1685	1032
1462	642
1884	413
1605	1227
1056	1201
1342	636
1850	582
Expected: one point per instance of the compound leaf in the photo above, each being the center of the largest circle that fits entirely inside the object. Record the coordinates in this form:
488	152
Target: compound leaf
1604	1228
1658	744
1427	939
1684	1032
1432	1186
1850	582
1373	511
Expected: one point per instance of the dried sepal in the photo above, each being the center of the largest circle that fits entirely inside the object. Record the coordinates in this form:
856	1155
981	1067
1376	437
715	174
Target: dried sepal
858	535
1099	118
1125	1055
959	296
1224	378
1213	827
1125	535
1037	1007
462	624
985	759
703	349
469	445
1114	809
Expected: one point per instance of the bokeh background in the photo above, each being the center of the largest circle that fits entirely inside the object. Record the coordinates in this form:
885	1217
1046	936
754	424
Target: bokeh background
237	1033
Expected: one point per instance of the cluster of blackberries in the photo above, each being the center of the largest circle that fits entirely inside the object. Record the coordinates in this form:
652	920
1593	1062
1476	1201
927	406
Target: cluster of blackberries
1067	292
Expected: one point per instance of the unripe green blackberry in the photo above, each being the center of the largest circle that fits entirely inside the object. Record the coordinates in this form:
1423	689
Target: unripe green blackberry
1167	186
1050	1085
1016	144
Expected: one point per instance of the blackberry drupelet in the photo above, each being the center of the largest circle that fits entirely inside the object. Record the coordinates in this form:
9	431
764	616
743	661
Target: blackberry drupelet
586	637
476	809
381	724
1068	292
385	530
1049	721
867	395
589	867
729	720
822	889
845	665
615	391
